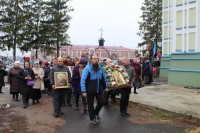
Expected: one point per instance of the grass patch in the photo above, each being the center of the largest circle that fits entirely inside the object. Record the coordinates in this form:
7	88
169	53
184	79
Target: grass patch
163	114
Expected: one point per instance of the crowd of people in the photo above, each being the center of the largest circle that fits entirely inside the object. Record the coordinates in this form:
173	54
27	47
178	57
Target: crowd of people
86	79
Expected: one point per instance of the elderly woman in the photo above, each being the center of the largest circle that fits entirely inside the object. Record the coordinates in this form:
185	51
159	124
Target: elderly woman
13	80
38	84
25	75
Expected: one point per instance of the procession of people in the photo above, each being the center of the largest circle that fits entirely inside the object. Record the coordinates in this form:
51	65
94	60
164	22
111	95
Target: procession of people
84	78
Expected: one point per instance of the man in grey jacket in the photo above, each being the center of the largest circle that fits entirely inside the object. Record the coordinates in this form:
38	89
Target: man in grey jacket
125	92
58	94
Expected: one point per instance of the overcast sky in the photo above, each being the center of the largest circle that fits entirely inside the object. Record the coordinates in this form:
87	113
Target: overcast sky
118	18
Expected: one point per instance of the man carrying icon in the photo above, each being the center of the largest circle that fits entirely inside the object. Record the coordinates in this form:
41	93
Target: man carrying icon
58	93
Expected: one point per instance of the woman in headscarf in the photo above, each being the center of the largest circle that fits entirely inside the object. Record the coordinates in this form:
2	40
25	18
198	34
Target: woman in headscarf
13	80
38	84
25	75
146	72
2	74
77	72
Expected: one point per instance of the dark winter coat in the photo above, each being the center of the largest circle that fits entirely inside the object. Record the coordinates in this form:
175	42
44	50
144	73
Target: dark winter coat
13	79
46	77
24	89
146	70
138	69
76	80
2	74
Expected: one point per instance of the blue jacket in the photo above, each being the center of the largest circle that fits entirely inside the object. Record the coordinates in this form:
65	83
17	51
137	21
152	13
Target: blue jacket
93	82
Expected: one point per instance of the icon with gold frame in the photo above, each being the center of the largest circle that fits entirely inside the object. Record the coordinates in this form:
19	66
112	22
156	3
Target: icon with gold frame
61	80
118	78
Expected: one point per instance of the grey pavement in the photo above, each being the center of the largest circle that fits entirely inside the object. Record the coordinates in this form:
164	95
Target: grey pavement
111	122
169	97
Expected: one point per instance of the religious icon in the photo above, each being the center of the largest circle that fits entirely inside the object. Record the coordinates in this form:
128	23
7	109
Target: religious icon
118	78
61	80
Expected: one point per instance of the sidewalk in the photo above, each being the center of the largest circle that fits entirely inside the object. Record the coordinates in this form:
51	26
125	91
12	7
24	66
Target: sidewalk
169	97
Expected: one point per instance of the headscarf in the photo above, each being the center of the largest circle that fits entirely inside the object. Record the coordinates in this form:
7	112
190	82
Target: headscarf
16	62
36	62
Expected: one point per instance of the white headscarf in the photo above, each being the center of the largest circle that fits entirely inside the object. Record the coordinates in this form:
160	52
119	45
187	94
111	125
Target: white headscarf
16	62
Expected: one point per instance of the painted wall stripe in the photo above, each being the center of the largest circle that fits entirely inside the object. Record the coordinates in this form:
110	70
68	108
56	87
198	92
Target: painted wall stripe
184	70
164	67
184	53
185	58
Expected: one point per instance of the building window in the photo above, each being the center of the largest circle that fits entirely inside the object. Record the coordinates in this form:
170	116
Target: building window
185	19
192	41
102	54
165	48
74	54
165	32
179	42
70	54
166	3
166	17
192	17
179	2
179	20
170	19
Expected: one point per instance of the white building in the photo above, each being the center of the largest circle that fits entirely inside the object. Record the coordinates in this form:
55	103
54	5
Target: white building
181	42
181	26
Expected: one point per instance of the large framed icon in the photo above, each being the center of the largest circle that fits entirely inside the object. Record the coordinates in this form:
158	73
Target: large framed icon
118	78
61	80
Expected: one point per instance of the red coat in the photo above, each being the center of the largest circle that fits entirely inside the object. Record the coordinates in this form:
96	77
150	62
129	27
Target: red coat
138	69
67	63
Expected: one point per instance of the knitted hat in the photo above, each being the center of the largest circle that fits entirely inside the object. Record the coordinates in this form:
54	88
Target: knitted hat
82	61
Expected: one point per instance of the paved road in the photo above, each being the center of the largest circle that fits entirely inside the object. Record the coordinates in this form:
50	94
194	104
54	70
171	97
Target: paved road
111	122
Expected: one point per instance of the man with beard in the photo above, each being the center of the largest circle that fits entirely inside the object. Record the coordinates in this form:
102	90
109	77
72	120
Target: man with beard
93	84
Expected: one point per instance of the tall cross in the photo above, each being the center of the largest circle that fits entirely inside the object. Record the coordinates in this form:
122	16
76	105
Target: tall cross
101	30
